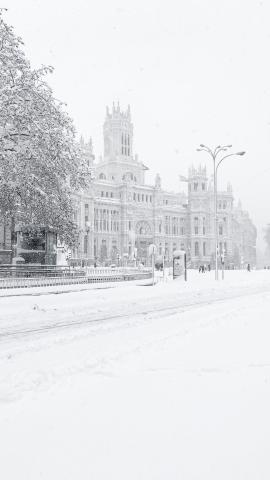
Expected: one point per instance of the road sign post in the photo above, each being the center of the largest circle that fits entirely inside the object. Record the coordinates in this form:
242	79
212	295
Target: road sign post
152	252
223	263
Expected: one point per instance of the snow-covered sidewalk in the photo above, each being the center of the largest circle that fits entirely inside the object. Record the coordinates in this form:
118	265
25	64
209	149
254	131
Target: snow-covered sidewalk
132	382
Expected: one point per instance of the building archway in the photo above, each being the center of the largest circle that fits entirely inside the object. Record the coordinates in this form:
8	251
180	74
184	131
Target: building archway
144	237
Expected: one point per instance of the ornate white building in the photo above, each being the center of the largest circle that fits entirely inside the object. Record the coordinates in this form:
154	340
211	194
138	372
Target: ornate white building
120	216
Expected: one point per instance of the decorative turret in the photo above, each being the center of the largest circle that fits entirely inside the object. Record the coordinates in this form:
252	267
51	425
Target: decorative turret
197	180
229	187
157	181
118	134
87	150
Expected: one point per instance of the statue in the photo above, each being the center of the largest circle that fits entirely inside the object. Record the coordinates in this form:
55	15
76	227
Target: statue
158	181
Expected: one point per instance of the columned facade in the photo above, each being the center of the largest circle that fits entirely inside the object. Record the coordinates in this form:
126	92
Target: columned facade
120	215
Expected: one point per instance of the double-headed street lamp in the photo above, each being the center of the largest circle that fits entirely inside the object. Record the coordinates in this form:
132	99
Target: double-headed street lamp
217	161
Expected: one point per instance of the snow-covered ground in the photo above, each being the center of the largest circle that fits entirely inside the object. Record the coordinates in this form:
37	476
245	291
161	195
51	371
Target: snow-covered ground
133	382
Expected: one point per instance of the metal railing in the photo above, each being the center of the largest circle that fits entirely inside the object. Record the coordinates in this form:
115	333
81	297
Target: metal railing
14	277
29	271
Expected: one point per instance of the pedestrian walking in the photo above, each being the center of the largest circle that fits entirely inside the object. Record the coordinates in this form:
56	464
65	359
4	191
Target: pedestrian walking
248	267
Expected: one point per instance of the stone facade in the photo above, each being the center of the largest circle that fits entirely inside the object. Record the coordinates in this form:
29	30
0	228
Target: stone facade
120	215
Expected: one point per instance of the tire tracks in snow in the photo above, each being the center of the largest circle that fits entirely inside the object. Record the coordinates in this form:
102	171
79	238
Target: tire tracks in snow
143	312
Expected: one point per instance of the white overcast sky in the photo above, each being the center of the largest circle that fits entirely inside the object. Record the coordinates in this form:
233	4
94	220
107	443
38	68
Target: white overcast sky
193	71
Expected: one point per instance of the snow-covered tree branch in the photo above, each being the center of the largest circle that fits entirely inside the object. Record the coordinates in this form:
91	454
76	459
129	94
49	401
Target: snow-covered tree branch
40	162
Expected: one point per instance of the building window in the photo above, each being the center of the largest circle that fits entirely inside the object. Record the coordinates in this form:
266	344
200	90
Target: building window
204	228
86	212
150	198
220	229
129	225
134	196
203	186
142	197
85	244
146	198
195	186
196	249
102	194
204	249
159	228
111	194
102	176
224	205
139	197
196	225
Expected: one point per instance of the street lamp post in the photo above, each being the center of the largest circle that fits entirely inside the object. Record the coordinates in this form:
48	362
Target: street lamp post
217	161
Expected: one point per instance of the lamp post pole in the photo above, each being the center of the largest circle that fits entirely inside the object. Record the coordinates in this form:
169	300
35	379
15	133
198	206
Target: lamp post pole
215	219
217	161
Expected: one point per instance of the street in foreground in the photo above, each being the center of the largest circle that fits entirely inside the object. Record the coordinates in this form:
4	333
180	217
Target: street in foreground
139	383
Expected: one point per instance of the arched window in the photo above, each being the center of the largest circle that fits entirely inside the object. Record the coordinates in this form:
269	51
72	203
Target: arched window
102	176
85	245
204	249
196	249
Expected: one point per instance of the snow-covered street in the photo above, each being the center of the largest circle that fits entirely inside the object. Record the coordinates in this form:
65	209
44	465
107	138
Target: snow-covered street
125	381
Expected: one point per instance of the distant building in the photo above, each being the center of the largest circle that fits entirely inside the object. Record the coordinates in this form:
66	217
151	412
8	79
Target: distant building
120	215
